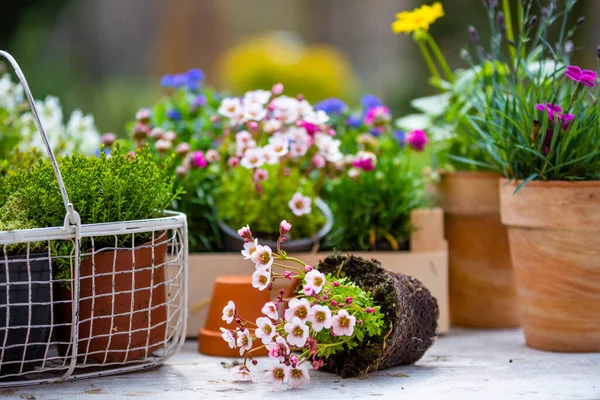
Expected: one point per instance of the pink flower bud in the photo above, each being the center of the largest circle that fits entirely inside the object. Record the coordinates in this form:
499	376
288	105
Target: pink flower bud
270	287
170	136
300	97
282	291
277	89
254	362
156	133
319	161
245	232
260	175
315	365
336	284
299	123
331	132
252	125
108	138
288	274
334	303
271	107
348	300
233	162
359	322
140	131
287	172
283	239
143	115
284	227
294	361
274	352
183	148
308	268
369	310
198	159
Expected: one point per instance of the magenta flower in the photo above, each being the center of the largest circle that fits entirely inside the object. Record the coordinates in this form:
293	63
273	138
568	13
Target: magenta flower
417	139
198	159
366	164
553	111
378	115
566	120
586	76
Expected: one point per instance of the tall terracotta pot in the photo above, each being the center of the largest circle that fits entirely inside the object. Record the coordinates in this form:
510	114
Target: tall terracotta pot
482	290
554	232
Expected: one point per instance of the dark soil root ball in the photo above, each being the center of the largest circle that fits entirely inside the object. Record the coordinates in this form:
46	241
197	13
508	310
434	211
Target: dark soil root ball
410	312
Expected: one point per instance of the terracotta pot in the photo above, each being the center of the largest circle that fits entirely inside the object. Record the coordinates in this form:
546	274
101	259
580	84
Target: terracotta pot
482	289
114	327
554	232
249	302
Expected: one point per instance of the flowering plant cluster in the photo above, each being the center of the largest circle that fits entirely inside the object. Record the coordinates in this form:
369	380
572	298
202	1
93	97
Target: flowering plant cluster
543	125
327	315
79	134
379	173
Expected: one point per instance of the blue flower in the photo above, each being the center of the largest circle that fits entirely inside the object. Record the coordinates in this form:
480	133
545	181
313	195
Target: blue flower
376	132
106	151
369	101
174	115
200	101
331	106
400	137
166	81
354	121
179	80
195	74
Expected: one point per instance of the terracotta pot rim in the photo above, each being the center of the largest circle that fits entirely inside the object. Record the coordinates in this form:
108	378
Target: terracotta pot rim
551	184
470	174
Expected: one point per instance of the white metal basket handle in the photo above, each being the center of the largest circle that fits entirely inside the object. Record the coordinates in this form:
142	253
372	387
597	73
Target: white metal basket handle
72	216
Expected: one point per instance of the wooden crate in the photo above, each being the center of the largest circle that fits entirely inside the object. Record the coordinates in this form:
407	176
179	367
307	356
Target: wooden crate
427	261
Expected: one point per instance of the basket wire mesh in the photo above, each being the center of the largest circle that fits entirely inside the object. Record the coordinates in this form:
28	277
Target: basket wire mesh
115	302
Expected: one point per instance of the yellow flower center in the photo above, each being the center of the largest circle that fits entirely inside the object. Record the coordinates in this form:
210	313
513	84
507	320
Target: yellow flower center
265	258
267	329
252	250
263	280
279	374
299	204
301	312
297	331
296	373
320	316
344	322
318	281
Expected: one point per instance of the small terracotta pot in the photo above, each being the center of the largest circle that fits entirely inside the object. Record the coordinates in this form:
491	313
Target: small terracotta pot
482	289
249	303
134	328
554	232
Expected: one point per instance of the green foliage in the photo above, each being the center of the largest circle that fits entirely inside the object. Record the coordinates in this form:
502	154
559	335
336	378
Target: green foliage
372	323
239	203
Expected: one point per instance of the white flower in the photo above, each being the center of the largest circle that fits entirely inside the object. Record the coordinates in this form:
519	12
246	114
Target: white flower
278	145
249	248
298	376
229	312
314	281
269	155
278	374
272	125
229	337
244	341
11	94
299	135
50	112
297	332
83	133
343	323
278	349
270	310
243	137
285	109
320	317
304	108
261	279
262	257
254	112
297	308
253	158
298	149
212	155
242	375
354	173
230	107
299	204
265	330
319	117
256	97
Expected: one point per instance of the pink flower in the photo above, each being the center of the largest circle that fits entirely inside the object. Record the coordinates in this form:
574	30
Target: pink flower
300	205
261	279
566	120
284	227
143	115
378	115
308	268
297	308
278	374
277	89
108	138
260	175
229	337
319	161
298	376
262	257
244	341
417	139
170	136
319	317
585	77
242	375
233	162
212	156
365	160
270	310
183	148
245	233
162	145
297	332
343	323
278	349
314	282
265	330
198	159
229	312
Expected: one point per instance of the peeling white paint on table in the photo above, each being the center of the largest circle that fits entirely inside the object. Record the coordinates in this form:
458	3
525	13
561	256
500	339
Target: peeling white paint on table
465	364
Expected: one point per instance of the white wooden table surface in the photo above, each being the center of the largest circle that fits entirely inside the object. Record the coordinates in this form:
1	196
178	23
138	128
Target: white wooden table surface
465	364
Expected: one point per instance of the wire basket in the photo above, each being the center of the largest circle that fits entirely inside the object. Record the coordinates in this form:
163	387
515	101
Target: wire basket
100	310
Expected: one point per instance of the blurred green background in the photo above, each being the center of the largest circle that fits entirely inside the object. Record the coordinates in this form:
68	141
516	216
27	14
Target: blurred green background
107	56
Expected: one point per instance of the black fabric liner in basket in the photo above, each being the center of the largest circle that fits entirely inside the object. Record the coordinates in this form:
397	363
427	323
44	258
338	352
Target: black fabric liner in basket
15	332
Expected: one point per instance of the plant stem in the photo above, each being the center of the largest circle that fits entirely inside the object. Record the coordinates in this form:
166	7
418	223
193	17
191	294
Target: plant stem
440	57
428	60
509	30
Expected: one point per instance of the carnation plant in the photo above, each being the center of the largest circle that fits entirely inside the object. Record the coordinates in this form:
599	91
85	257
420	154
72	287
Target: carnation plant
540	125
325	316
373	200
78	135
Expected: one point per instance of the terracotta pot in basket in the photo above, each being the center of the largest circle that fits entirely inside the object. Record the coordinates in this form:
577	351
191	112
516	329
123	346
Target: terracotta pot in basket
554	232
113	325
482	289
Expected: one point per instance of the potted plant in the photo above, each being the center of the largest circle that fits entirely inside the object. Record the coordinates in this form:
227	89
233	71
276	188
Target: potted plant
482	291
372	202
350	316
543	134
120	187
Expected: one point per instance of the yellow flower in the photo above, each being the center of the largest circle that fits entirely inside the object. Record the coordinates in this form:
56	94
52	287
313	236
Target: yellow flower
418	19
